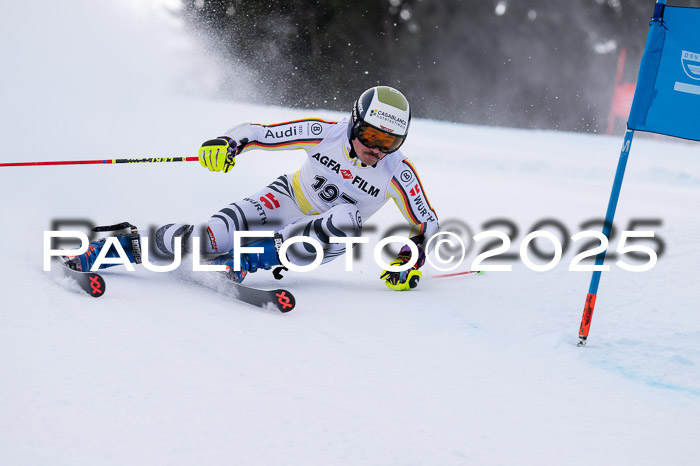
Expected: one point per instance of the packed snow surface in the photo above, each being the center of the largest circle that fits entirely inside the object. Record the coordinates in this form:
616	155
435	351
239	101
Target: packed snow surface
475	369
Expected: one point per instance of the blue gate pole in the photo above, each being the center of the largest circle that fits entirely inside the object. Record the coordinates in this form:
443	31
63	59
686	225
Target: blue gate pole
600	259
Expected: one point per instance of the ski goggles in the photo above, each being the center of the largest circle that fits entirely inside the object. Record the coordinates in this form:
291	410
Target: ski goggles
372	137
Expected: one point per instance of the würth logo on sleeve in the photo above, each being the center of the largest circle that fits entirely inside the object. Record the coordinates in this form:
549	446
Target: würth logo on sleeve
415	190
346	174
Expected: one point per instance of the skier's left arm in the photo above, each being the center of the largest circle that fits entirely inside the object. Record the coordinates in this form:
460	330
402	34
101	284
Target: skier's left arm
407	192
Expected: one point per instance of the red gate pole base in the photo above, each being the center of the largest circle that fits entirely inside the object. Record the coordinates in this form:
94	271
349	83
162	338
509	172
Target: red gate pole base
586	319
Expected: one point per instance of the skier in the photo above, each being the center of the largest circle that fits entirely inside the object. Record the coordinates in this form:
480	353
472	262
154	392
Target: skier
354	166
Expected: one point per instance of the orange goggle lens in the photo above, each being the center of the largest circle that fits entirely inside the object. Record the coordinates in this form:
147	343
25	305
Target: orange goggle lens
372	137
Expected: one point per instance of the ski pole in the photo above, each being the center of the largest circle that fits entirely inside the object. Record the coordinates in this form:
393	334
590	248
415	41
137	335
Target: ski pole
454	274
88	162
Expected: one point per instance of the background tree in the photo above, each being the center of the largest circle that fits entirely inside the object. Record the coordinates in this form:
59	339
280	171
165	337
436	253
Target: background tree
522	63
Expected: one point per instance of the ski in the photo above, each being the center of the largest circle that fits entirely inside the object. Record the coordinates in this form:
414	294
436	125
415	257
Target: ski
92	283
228	283
280	299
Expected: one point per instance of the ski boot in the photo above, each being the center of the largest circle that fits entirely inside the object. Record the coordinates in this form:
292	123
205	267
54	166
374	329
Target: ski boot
131	242
251	262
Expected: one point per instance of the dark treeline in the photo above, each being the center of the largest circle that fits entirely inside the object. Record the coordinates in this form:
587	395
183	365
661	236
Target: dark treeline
523	63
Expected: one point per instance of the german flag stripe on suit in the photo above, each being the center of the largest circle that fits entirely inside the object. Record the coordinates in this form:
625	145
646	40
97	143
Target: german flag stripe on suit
295	144
415	173
403	202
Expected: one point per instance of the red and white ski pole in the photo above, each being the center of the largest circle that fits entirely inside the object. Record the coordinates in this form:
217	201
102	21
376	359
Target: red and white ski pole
454	274
108	161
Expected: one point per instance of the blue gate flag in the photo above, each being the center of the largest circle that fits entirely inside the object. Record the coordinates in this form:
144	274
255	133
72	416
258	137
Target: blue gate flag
667	97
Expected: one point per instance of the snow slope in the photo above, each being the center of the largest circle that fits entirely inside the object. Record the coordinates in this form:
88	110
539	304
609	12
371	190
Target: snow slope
468	370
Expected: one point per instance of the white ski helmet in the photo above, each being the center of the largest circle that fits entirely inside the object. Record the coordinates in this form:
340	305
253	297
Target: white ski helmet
380	118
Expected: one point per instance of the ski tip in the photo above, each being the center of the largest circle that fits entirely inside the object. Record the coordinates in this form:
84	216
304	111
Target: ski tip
480	272
91	283
285	301
97	285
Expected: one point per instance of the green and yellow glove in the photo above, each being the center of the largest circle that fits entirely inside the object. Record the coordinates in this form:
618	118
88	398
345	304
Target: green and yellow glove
218	154
408	279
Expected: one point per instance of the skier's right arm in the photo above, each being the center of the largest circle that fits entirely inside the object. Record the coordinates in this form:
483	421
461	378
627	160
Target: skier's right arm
297	134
